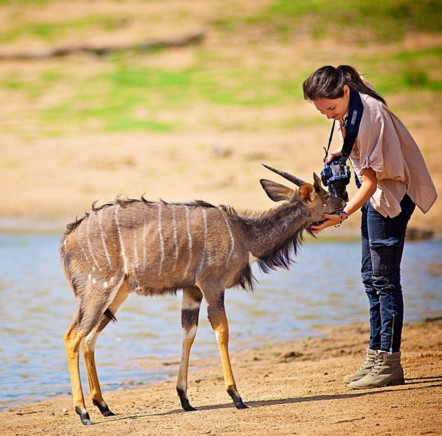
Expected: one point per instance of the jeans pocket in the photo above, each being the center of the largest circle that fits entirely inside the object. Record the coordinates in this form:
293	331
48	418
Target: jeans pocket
386	256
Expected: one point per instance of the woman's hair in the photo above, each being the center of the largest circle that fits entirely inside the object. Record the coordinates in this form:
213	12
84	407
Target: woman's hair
328	82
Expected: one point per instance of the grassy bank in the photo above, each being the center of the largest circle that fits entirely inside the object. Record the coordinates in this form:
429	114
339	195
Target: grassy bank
237	65
195	121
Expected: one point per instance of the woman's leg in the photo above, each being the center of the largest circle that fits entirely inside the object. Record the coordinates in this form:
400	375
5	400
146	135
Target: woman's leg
373	298
367	280
386	241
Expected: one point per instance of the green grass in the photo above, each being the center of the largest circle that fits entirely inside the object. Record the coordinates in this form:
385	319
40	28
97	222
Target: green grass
406	71
37	2
124	94
113	100
54	31
387	19
130	124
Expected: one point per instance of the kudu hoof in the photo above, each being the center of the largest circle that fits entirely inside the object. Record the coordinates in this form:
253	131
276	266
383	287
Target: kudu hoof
104	409
186	405
84	416
108	413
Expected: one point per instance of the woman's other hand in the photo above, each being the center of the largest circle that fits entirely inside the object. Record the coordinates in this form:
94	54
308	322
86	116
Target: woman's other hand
334	154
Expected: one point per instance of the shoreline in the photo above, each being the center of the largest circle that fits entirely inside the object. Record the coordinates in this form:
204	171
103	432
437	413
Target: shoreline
22	227
294	387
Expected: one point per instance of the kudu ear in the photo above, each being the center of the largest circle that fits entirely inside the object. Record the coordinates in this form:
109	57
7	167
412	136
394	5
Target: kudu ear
277	192
317	183
307	192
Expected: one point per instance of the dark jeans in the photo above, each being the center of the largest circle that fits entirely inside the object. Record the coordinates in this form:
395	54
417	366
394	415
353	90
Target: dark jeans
382	248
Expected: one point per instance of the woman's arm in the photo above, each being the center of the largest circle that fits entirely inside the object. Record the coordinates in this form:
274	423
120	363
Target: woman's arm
368	188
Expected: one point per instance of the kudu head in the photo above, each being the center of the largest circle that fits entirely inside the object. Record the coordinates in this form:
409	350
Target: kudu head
317	200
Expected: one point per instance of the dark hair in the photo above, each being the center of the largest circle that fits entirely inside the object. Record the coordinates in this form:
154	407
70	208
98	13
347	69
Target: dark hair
328	82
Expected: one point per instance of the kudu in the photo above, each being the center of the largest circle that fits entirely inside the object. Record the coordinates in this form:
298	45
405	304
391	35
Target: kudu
153	248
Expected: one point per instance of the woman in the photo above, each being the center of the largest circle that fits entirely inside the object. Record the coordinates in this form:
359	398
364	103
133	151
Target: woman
392	178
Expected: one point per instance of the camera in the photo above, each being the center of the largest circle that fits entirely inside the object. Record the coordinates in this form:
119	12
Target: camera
336	175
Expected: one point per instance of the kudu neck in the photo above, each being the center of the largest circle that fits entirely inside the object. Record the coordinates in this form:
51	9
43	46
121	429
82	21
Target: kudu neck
276	226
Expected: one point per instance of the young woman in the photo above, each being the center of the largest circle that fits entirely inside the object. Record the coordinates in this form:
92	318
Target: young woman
392	178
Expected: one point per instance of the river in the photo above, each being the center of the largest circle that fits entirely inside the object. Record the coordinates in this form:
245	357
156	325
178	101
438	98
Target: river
322	288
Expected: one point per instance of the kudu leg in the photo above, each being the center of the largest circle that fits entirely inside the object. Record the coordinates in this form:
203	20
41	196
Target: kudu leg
88	350
189	321
88	315
72	341
218	320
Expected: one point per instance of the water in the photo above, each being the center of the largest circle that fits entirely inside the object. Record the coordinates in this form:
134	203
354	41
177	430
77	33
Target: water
323	288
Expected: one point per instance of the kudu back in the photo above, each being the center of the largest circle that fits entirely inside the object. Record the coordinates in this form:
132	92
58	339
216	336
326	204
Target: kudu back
152	248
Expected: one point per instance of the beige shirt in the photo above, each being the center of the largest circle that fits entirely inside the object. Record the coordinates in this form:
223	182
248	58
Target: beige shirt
385	145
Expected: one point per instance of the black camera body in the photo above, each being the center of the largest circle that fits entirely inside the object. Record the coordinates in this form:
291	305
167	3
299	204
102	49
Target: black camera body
336	175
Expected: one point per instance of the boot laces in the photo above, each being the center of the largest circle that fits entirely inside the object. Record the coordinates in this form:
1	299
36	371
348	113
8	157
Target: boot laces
367	362
377	365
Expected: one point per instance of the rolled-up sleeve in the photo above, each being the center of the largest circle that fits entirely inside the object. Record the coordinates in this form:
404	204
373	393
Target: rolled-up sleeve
379	143
385	145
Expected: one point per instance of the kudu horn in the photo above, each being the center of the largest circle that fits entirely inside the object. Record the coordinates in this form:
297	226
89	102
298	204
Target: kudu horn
293	179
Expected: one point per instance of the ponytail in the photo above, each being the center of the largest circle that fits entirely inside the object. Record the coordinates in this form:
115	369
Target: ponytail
328	82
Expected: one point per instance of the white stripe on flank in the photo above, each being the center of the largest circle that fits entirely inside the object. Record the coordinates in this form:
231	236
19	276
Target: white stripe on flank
144	239
100	222
80	237
135	240
203	257
232	240
175	236
160	236
123	253
89	243
189	239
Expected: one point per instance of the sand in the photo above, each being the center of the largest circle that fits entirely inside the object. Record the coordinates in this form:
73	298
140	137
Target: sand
292	388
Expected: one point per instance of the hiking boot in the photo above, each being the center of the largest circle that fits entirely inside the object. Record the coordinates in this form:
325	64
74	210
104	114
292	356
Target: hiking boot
386	371
364	369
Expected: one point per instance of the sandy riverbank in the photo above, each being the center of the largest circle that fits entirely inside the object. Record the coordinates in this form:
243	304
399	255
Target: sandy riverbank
293	388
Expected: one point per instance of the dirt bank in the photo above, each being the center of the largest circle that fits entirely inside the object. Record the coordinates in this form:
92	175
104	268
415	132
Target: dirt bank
52	169
293	388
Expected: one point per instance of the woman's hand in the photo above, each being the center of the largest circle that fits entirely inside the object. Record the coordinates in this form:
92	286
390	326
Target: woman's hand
368	188
330	220
334	154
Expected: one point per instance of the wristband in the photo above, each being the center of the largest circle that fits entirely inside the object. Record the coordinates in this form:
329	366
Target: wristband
341	214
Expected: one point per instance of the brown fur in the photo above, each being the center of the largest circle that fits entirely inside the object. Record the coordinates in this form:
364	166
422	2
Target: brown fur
151	248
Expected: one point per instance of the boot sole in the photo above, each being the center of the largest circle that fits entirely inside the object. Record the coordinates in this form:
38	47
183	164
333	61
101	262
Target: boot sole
352	378
391	383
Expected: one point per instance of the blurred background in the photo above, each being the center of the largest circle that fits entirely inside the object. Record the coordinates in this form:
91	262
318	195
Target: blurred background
183	100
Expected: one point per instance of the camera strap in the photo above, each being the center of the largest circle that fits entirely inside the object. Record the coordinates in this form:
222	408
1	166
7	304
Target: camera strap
355	111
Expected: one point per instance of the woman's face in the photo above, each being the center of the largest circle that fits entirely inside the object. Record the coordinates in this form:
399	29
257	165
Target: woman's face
335	109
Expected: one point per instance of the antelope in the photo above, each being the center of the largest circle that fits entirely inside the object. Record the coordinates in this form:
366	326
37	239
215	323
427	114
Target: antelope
153	247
